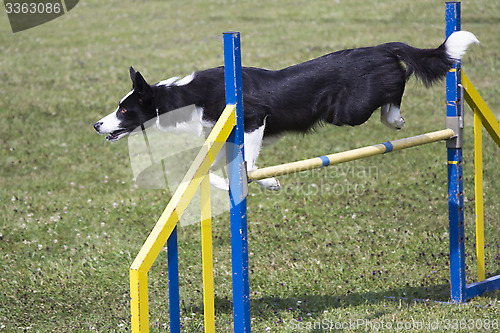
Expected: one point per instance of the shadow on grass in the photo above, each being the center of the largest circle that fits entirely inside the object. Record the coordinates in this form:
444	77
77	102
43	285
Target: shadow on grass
307	304
314	305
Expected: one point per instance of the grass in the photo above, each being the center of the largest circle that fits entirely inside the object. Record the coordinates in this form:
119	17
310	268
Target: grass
357	242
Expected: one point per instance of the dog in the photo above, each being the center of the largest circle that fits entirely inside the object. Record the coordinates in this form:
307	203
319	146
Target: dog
340	88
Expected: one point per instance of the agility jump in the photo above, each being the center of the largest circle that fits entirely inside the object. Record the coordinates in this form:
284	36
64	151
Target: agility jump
350	155
229	128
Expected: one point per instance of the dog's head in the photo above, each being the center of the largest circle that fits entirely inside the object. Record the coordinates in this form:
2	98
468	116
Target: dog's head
136	108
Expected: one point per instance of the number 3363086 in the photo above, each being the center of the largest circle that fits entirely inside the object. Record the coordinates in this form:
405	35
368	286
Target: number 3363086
33	8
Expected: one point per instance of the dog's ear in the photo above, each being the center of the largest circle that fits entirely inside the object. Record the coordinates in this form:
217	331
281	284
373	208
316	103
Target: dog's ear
140	85
132	74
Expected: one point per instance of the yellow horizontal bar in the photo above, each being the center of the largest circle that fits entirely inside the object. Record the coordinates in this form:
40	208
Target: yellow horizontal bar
351	155
477	103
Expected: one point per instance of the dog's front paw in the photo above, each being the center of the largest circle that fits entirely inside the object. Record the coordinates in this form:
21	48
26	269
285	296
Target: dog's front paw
269	184
219	182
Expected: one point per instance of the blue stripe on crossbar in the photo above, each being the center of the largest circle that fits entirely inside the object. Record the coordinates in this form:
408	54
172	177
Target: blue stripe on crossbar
388	146
325	160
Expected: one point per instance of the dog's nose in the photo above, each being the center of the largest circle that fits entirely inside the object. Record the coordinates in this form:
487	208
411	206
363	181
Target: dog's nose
97	126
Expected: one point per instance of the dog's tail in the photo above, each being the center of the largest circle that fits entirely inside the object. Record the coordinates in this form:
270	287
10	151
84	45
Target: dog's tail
431	65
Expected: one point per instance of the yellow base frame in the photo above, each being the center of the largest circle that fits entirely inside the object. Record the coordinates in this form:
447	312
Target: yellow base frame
482	117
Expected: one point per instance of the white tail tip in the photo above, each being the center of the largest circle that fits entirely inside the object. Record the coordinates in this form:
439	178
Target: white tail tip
457	43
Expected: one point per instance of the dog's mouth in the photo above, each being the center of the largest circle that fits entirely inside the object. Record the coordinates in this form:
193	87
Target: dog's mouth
117	135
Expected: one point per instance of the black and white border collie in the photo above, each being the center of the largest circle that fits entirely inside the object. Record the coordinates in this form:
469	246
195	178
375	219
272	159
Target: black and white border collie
340	88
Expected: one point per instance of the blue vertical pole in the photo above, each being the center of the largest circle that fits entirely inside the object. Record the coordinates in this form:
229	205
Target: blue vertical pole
237	185
173	283
455	172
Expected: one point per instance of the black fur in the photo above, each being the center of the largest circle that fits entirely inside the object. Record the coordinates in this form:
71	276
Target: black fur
341	88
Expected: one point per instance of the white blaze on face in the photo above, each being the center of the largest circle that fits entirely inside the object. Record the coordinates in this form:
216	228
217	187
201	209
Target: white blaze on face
127	95
110	123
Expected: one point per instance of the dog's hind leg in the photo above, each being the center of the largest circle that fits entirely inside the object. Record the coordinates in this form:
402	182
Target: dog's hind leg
222	183
390	115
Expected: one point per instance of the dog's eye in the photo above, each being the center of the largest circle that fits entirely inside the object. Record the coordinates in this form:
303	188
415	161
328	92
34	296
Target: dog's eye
123	110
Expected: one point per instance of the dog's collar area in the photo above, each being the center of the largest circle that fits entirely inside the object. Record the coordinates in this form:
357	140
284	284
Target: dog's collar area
158	125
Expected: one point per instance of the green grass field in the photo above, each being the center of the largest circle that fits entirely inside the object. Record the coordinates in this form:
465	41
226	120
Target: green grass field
357	243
